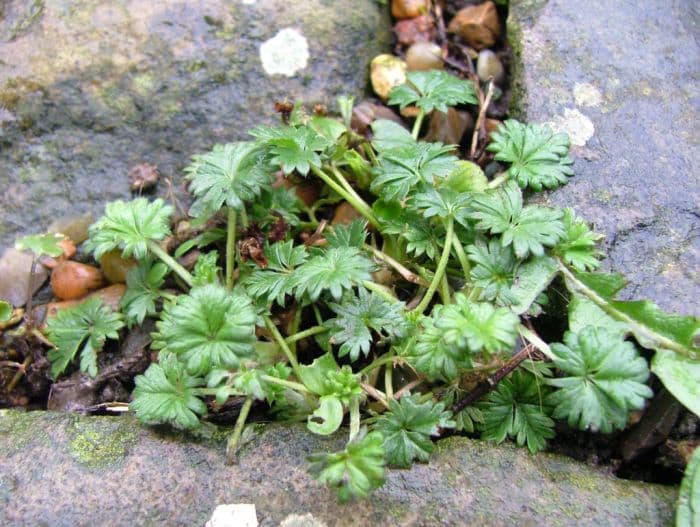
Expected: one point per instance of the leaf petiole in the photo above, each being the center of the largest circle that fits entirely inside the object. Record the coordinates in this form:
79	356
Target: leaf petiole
442	265
237	430
417	124
358	203
230	246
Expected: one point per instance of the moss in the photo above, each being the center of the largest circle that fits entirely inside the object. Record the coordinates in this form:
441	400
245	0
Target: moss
101	443
21	427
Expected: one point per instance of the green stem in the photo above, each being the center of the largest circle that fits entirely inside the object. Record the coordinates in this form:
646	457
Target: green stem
344	182
534	339
295	329
444	290
381	290
213	391
389	381
462	257
358	203
238	430
298	387
230	247
354	417
282	344
170	262
498	180
406	273
384	359
440	271
417	125
640	330
315	330
367	147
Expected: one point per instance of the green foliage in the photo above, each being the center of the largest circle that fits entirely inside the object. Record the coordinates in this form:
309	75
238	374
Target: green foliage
166	393
358	316
538	157
527	228
577	247
350	235
83	328
40	244
5	311
275	282
516	409
207	328
605	380
129	226
688	510
143	290
494	271
292	147
433	90
355	471
206	271
477	326
443	203
227	175
408	426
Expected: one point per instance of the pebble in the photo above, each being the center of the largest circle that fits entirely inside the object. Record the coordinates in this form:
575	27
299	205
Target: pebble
366	112
488	65
75	227
423	56
409	8
448	127
412	30
143	177
478	25
115	267
15	268
386	71
73	280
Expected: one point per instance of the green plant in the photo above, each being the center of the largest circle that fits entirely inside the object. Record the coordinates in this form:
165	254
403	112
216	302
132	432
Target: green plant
439	282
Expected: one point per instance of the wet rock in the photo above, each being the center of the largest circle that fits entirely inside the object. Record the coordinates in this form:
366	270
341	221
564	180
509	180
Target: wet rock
412	30
386	71
423	56
478	25
488	66
15	271
449	127
636	177
171	479
88	89
409	8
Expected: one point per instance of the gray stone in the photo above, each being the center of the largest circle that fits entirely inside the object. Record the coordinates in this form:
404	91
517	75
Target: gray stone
623	80
90	88
71	470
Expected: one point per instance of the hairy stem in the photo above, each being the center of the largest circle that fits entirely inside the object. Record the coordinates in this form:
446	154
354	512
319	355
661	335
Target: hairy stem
296	386
357	203
230	246
462	257
238	430
381	290
440	271
384	359
282	344
498	180
315	330
417	124
354	417
170	262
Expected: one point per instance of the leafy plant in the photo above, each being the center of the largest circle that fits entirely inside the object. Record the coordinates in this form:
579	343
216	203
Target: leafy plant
405	322
39	244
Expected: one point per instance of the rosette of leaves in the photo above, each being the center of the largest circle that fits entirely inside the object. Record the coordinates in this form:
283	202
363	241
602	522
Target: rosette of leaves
143	290
355	471
408	426
538	157
208	328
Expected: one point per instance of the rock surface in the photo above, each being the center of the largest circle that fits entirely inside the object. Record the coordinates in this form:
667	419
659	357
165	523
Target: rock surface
65	469
623	81
89	89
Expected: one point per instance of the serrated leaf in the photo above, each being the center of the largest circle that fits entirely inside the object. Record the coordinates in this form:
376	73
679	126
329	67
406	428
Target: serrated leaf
358	316
274	203
400	169
607	285
143	284
494	271
578	245
516	409
206	271
275	282
351	235
83	328
166	394
443	203
531	279
208	328
389	135
292	147
129	226
433	90
420	237
355	471
681	377
529	229
249	382
408	426
227	175
478	326
336	270
605	380
326	127
538	157
48	244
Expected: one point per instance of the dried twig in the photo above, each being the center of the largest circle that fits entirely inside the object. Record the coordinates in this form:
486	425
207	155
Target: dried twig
479	128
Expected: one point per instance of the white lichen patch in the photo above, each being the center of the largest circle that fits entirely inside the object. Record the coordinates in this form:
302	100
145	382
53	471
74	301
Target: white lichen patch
285	53
579	127
299	520
585	94
234	515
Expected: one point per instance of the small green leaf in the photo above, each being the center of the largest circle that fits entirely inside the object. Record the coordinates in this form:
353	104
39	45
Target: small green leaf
531	279
39	244
166	394
143	285
389	135
292	147
206	271
408	426
327	418
355	471
351	235
606	285
314	375
494	270
275	282
584	312
681	377
433	90
249	382
688	510
5	311
578	245
467	177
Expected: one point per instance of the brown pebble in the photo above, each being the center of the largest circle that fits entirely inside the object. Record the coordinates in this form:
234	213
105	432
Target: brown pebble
366	112
143	177
409	8
491	126
412	30
344	214
424	56
448	127
478	25
115	267
72	280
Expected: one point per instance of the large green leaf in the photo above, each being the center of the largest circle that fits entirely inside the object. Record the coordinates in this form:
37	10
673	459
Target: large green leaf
688	511
681	377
